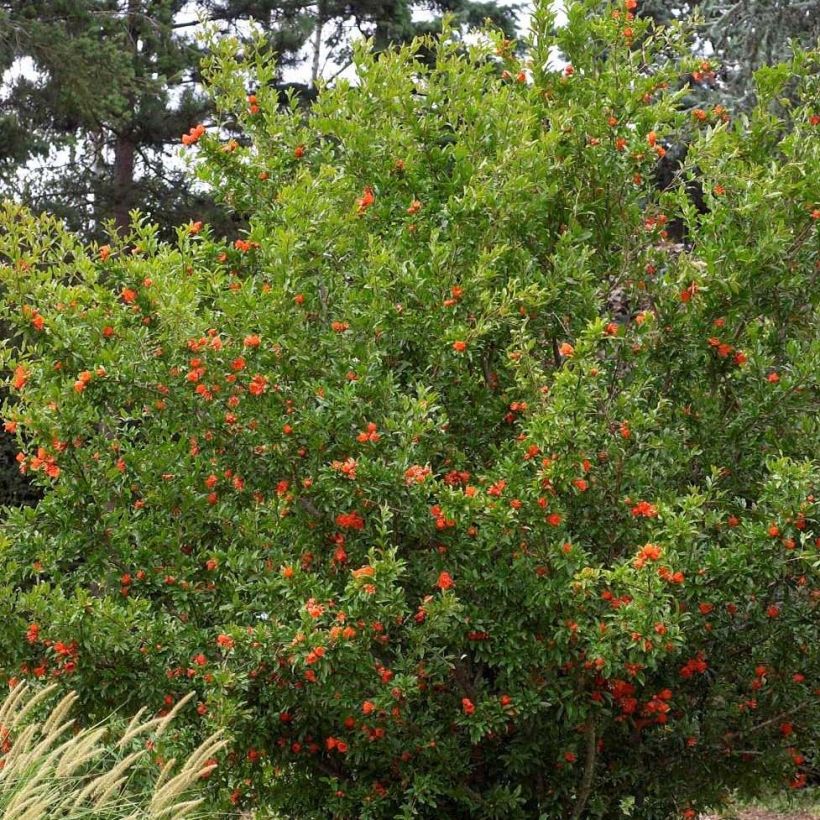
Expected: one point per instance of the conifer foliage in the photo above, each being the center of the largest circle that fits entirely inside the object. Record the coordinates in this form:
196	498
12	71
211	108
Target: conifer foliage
90	118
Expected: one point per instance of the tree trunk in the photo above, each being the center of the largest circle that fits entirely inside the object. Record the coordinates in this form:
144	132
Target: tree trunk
124	153
317	42
125	149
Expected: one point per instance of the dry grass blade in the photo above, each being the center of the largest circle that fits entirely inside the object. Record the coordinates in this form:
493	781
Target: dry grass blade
85	748
12	700
44	774
58	713
190	773
134	728
18	757
179	810
30	705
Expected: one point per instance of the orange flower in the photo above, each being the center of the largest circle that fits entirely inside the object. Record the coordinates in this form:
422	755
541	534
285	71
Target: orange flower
671	577
445	581
459	346
416	474
258	385
225	641
369	434
20	377
82	381
350	521
643	509
650	552
497	488
346	467
366	200
193	135
313	608
688	292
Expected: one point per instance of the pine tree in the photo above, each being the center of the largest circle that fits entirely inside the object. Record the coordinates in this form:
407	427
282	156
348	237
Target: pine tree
741	35
114	86
115	82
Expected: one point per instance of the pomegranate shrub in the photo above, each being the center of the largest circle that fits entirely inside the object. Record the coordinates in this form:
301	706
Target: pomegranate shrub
477	477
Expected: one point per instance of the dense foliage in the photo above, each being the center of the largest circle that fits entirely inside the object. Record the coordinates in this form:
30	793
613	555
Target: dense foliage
96	92
454	487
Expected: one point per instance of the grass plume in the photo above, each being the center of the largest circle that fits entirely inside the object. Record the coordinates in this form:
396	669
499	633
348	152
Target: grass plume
46	771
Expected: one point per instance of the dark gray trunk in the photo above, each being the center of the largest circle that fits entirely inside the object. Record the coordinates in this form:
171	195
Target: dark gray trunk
124	153
125	149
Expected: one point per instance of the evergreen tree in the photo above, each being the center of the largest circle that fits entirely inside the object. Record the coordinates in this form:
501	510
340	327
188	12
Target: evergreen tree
114	83
743	35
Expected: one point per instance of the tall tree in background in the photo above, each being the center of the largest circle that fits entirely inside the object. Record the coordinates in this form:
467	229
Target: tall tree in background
743	35
89	131
112	85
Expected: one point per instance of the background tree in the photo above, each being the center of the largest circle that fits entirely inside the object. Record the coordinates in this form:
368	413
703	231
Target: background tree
115	83
742	35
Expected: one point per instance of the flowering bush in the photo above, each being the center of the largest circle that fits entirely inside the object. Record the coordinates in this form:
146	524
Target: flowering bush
454	487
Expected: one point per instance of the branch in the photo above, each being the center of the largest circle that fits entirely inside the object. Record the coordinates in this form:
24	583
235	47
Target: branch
308	505
589	770
775	719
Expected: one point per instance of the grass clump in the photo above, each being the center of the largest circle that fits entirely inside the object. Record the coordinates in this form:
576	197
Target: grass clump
50	768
